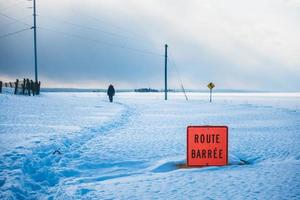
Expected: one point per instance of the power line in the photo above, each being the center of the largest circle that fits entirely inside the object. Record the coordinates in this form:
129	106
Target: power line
112	25
90	28
13	33
172	61
102	42
137	35
12	18
13	22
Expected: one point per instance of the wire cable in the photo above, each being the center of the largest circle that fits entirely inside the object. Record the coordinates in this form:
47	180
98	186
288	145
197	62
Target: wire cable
13	22
101	42
13	33
90	28
16	20
172	61
112	25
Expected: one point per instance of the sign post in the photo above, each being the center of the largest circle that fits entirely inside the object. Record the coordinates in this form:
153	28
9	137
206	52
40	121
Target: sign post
211	85
207	146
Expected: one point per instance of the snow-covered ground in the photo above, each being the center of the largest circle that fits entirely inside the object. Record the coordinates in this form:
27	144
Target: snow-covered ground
129	149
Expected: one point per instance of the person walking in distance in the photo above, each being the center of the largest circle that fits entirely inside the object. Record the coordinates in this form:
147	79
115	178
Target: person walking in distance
111	92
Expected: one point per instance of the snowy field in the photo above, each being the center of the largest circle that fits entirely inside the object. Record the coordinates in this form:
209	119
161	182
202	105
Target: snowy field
130	149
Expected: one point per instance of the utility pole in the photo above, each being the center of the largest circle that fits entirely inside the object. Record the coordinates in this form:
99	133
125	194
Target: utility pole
166	71
35	47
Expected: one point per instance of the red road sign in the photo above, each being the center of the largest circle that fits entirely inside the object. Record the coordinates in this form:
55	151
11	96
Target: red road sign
207	145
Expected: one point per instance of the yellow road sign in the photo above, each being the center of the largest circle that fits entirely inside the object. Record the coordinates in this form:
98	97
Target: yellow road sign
211	85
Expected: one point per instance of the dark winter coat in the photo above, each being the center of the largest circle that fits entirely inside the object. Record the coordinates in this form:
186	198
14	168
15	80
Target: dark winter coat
111	91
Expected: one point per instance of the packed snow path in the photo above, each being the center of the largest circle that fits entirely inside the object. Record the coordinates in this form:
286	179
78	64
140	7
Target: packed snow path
78	145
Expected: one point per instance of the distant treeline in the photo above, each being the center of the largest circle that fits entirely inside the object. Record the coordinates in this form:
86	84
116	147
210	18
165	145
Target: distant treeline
146	90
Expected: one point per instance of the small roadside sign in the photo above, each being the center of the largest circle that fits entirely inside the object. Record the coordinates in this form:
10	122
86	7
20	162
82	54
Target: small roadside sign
211	85
207	146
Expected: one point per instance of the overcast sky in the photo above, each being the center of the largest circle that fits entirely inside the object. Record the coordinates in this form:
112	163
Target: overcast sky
251	45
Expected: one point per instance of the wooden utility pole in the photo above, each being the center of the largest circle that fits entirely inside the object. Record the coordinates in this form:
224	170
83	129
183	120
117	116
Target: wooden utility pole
34	38
166	71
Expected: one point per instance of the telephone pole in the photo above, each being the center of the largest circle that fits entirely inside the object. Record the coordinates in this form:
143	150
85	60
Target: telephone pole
34	38
166	71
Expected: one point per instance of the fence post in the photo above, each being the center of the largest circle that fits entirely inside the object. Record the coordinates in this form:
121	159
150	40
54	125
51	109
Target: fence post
0	86
35	87
38	86
23	86
32	87
28	86
16	86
